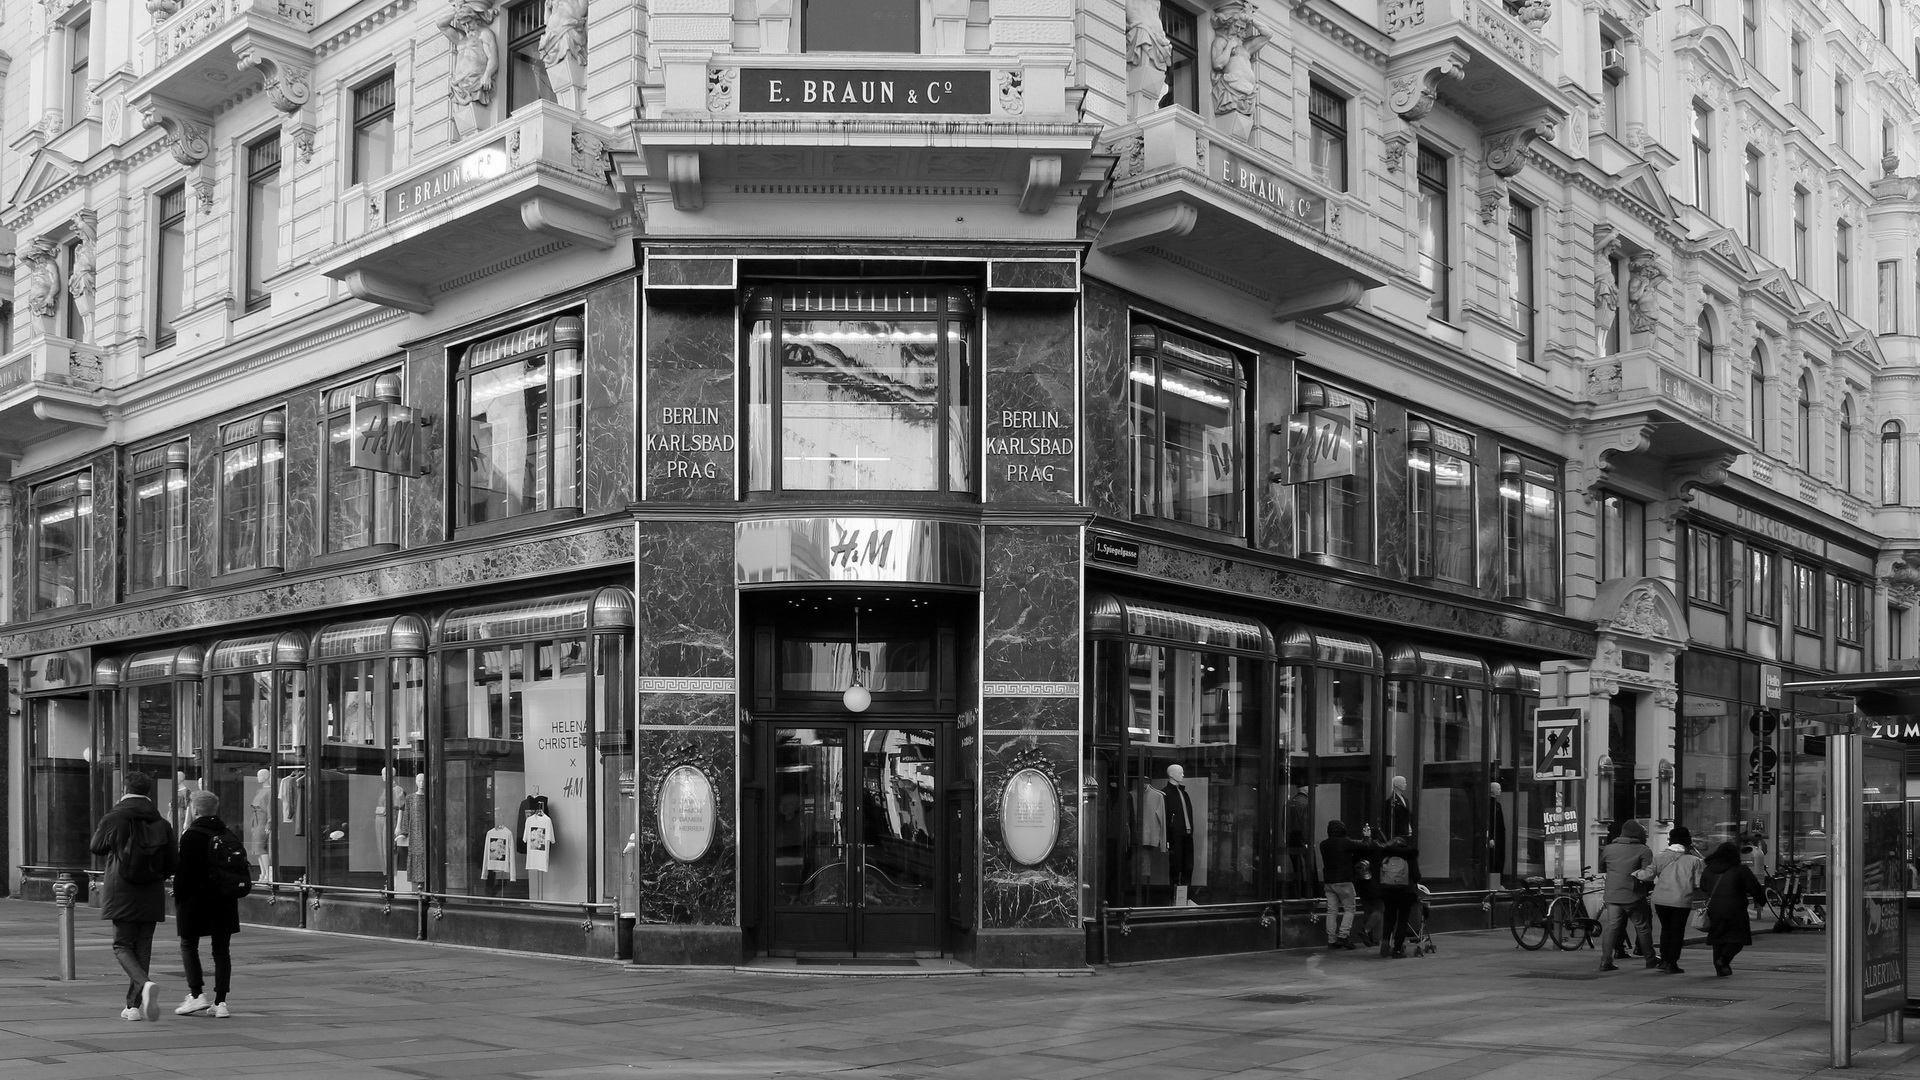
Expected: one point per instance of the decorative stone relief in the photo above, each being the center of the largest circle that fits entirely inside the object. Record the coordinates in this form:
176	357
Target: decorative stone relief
1394	145
468	28
187	140
1643	292
1013	92
42	277
1491	200
1534	14
720	88
1132	152
1505	152
289	88
563	49
162	9
1903	581
589	156
1640	614
1404	15
1603	379
1237	40
1414	94
1148	55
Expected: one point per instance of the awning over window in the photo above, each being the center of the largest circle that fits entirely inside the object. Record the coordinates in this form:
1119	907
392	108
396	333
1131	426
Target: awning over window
1108	614
400	634
1313	645
181	663
1508	675
600	611
1432	664
287	649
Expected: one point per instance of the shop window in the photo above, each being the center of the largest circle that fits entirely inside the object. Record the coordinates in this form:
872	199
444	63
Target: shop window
837	26
58	801
1183	69
861	388
1763	585
156	727
253	492
1805	598
1706	566
1442	500
1327	111
1328	707
1623	537
1335	516
263	219
169	264
370	798
1436	231
1530	527
526	72
260	765
1436	741
62	539
1515	799
1849	610
1891	484
373	130
358	507
157	548
519	396
1188	402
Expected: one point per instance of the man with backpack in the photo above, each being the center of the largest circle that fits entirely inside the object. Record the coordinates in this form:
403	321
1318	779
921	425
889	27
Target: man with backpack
138	844
207	886
1399	892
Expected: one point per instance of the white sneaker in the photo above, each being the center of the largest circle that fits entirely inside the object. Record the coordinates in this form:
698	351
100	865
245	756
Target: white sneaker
150	1002
131	1012
195	1004
220	1011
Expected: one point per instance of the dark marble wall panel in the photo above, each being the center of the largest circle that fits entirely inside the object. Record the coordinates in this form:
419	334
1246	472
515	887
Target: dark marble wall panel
612	395
703	891
682	709
107	499
1390	487
1030	714
1051	274
688	430
1103	425
1272	503
203	503
430	388
685	599
1027	411
1487	530
1047	894
20	519
1032	602
668	272
303	480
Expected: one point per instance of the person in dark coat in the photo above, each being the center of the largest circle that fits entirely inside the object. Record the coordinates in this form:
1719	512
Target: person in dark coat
1338	852
133	909
201	912
1398	899
1729	886
1623	862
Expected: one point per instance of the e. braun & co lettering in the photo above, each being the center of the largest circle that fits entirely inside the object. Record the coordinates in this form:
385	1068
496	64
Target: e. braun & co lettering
486	163
681	448
847	90
1237	172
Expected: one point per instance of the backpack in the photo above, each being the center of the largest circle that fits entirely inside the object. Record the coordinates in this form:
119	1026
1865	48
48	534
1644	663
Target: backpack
142	858
1393	871
229	871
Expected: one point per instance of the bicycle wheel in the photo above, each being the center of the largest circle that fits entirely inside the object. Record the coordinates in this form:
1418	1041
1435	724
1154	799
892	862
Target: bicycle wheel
1780	909
1566	925
1529	922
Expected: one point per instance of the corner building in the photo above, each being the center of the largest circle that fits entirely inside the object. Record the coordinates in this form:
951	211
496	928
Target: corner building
898	478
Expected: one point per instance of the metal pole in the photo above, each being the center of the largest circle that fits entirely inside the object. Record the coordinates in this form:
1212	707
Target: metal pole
1843	795
1896	1027
64	892
1560	832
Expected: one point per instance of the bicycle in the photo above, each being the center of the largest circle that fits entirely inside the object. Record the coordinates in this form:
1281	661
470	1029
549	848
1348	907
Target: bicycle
1544	911
1793	907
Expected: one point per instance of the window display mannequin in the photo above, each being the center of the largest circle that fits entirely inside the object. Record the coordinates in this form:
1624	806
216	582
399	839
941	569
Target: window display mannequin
417	826
536	835
1496	836
259	816
1399	810
1179	835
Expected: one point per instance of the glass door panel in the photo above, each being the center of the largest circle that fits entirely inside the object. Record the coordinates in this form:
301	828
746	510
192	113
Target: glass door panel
809	839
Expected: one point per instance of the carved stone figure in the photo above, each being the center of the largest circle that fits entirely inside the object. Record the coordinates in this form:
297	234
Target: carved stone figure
1606	295
1643	293
1149	53
468	26
80	278
563	49
1237	41
42	289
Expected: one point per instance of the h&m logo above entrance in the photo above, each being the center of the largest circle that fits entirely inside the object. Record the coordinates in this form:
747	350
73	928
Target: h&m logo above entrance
795	550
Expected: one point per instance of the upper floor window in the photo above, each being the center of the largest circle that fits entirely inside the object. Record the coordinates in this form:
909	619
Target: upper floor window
1842	90
1441	498
1763	588
1328	112
1520	233
79	46
1755	213
1803	422
1797	70
1887	281
253	492
373	130
1805	598
1703	349
359	507
263	219
1530	527
1623	537
1848	608
1801	216
526	71
1706	566
520	407
1613	74
1750	31
157	548
1335	516
1757	401
1703	157
62	539
890	26
169	264
1843	267
1435	232
1843	465
1886	20
1891	487
1187	398
1182	28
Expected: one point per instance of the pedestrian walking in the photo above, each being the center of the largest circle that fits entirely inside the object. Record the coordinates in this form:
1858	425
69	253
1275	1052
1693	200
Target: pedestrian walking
1676	877
205	904
138	844
1626	862
1399	874
1729	886
1338	853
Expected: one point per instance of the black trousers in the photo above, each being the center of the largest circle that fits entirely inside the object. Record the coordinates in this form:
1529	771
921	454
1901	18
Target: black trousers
1673	932
222	965
1397	903
133	948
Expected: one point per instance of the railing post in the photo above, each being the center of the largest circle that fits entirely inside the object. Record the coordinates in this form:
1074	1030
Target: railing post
64	892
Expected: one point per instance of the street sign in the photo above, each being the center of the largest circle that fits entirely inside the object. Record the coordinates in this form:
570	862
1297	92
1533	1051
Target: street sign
1556	744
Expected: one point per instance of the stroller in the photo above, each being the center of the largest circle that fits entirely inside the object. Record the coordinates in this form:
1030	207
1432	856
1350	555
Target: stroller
1419	939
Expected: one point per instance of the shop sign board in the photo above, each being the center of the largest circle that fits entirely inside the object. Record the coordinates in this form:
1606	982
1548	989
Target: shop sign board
385	437
1556	743
1320	444
1878	935
72	669
685	813
861	90
1771	692
782	550
469	170
1029	816
1262	185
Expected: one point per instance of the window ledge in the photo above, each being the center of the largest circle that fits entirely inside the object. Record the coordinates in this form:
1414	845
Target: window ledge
518	522
234	577
347	555
153	591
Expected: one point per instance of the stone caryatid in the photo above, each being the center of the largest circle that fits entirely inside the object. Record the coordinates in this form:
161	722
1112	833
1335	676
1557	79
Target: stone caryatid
468	26
1643	291
1237	41
40	284
563	49
1149	53
80	277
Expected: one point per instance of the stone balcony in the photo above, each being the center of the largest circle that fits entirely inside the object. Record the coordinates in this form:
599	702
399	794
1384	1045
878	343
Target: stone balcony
1493	66
530	185
1640	405
203	55
1192	195
48	387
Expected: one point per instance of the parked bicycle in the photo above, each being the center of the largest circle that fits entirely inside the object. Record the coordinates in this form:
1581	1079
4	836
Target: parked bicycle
1792	906
1543	911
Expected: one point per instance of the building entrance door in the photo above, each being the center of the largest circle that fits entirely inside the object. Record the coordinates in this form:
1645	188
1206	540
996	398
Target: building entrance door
854	839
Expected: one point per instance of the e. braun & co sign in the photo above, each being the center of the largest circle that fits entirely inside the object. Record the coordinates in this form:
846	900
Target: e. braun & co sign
468	170
1262	185
851	90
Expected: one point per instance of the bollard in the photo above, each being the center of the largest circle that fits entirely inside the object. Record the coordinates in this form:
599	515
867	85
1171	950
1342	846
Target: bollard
64	891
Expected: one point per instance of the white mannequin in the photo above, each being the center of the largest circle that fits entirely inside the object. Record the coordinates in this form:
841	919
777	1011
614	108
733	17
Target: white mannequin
261	806
1178	775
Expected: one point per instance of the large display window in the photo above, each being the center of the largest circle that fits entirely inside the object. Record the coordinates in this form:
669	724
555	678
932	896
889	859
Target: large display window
156	721
1436	742
370	694
60	807
1515	801
1327	699
514	787
258	762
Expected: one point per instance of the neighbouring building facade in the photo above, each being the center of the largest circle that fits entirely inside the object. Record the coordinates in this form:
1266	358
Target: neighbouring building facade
976	478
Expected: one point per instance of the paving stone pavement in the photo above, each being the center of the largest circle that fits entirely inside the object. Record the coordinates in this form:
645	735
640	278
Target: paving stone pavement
342	1008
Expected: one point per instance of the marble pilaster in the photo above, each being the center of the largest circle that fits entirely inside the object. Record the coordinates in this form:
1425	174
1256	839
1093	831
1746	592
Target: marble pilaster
687	434
704	891
203	503
1390	545
427	520
1045	895
106	527
612	395
1103	426
1027	411
303	480
1272	504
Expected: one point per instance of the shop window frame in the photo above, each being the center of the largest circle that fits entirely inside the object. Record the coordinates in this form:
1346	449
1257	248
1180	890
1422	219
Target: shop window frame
553	340
386	494
43	812
1521	475
1806	601
275	664
75	488
383	648
1427	442
262	501
1706	565
1763	584
176	674
1313	502
167	466
1415	676
1174	352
